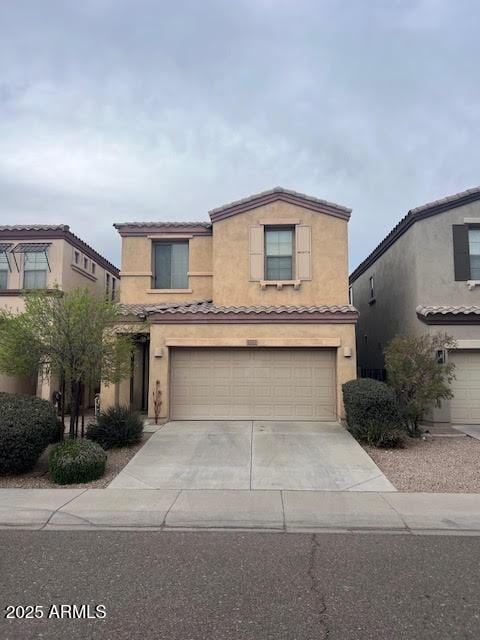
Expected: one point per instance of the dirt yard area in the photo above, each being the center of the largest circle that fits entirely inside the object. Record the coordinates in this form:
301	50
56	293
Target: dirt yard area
38	478
437	464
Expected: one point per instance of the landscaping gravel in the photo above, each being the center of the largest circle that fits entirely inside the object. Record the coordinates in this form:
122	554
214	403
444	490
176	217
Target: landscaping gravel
437	464
39	478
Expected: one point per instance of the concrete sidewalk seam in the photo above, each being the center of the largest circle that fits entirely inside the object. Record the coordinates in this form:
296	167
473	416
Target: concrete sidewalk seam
283	512
61	507
251	456
396	511
164	523
357	484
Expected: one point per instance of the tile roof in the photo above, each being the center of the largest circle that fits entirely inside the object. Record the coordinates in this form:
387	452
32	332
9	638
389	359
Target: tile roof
279	190
160	223
448	309
239	206
448	201
418	213
34	227
208	307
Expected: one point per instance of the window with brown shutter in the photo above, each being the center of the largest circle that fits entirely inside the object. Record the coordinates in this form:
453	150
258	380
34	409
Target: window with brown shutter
461	253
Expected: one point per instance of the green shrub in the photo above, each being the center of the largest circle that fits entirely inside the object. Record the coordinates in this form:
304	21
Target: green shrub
76	461
116	427
372	412
27	426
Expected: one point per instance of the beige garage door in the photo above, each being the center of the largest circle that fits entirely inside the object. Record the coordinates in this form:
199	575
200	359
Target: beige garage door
465	406
253	384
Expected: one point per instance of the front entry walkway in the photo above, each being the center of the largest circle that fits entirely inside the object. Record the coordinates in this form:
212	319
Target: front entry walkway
254	456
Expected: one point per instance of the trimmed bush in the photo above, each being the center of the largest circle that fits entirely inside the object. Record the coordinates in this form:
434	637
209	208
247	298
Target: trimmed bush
27	426
116	427
372	412
75	461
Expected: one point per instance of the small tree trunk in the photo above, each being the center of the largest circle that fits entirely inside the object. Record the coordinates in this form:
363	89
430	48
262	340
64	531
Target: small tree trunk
74	409
73	397
62	388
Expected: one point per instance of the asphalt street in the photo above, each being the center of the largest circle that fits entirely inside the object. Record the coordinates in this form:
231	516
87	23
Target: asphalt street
215	585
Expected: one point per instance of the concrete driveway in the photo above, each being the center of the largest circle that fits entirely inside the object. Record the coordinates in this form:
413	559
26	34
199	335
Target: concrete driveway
252	455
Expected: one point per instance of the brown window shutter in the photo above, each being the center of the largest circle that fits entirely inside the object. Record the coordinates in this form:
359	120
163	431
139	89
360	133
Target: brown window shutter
256	252
303	244
461	254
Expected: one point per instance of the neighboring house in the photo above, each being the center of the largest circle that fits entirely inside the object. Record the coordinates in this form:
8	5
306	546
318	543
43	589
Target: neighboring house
242	317
34	257
424	277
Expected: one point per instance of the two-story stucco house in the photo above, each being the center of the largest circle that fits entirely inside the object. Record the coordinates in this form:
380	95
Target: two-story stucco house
424	277
242	317
36	257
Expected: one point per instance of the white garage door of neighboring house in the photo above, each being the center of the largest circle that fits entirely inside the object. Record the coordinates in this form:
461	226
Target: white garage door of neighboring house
465	406
253	384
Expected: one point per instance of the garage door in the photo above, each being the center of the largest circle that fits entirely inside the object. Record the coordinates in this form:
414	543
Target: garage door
253	384
465	406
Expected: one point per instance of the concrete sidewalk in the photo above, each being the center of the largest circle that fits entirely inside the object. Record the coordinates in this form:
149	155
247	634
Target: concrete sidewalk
239	509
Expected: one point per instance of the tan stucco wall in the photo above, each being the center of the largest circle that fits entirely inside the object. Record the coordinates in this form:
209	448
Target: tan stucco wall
15	384
288	335
231	246
227	255
137	272
74	277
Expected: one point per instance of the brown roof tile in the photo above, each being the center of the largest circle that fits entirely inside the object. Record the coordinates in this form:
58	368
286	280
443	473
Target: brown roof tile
279	193
426	311
207	307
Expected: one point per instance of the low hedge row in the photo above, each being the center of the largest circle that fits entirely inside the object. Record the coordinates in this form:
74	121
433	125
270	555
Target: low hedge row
27	426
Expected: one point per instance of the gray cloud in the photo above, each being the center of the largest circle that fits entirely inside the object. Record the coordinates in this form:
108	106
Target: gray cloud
116	110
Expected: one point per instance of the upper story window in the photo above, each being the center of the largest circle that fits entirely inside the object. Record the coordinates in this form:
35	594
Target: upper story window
171	265
107	284
474	250
350	295
94	266
4	269
35	270
76	257
114	288
85	263
279	253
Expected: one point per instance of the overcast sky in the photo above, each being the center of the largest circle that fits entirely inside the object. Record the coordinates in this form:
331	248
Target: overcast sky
118	110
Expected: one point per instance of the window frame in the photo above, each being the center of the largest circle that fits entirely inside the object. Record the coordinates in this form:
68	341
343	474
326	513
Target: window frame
155	279
28	271
471	228
279	227
5	270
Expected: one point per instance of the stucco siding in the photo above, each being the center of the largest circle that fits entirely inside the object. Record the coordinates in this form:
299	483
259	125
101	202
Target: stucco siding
137	272
393	312
329	259
434	250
